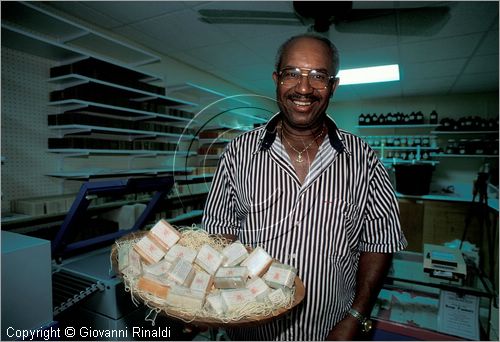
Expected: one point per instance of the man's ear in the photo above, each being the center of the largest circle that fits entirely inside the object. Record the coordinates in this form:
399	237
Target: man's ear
275	77
335	84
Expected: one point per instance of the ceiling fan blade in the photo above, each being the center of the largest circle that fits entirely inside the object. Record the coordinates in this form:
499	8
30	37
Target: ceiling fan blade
251	21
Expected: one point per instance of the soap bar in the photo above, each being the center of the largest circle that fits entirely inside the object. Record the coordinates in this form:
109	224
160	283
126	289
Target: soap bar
258	288
161	268
215	303
123	258
183	297
236	298
182	272
280	275
234	253
231	277
164	235
178	251
155	288
209	259
257	262
202	282
279	296
134	267
160	279
149	250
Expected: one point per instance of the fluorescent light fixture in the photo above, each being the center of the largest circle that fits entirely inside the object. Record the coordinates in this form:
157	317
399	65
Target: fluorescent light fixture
382	73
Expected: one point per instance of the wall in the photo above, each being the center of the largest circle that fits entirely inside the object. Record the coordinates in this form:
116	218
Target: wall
450	171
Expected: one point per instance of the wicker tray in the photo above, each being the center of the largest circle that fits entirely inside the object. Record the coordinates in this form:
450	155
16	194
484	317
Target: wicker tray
213	321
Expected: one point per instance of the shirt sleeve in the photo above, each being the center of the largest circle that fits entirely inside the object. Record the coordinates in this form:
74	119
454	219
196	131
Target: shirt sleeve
382	229
219	216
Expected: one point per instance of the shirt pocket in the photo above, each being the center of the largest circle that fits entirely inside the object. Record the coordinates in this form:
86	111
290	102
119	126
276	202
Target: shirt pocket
341	227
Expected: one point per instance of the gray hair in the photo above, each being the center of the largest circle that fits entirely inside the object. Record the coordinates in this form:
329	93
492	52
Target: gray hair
334	53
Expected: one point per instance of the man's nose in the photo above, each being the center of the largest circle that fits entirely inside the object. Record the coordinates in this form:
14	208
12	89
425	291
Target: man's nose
303	86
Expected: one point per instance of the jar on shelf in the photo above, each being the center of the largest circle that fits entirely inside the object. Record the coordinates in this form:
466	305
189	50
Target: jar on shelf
381	119
419	117
417	141
390	141
397	142
425	141
361	120
462	146
451	147
433	118
410	142
477	146
403	141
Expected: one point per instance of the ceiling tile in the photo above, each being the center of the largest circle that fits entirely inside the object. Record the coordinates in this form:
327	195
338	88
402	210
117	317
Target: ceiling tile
476	82
479	64
171	30
231	54
415	71
464	17
489	45
439	49
82	11
434	86
252	71
378	90
133	11
365	58
344	41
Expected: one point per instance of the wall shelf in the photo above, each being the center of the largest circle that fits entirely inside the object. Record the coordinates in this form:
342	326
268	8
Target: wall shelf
77	152
462	132
77	128
32	28
413	148
190	215
87	174
397	126
448	155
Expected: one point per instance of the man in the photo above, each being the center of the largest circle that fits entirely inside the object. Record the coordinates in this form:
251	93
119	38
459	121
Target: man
314	197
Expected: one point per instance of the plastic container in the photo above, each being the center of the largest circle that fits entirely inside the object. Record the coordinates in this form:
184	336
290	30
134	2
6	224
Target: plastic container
413	179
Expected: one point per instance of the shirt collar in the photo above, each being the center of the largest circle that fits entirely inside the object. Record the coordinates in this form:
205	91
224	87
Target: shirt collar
269	134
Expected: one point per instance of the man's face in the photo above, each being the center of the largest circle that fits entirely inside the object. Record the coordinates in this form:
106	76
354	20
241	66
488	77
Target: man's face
301	104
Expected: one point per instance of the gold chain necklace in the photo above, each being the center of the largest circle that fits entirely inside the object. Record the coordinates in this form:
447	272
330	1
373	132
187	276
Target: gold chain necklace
299	158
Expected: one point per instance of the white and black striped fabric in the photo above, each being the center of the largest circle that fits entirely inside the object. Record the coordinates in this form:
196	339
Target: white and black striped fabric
346	205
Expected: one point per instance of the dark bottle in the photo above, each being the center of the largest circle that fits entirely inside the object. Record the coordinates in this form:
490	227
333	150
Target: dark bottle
381	119
368	119
361	120
406	119
433	118
413	118
419	118
374	119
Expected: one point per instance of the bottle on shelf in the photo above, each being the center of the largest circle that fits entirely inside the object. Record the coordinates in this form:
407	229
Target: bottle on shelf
374	119
361	120
419	117
433	118
413	118
368	119
381	119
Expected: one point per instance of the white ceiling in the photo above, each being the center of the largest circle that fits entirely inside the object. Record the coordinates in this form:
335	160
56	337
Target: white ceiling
461	57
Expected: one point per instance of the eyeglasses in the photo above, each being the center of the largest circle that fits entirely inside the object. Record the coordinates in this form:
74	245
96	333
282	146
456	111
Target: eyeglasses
290	77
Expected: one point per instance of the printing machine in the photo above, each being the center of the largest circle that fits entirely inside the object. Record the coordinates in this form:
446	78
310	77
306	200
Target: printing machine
85	290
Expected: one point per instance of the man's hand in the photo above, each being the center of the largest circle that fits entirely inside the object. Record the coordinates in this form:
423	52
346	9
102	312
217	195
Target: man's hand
345	330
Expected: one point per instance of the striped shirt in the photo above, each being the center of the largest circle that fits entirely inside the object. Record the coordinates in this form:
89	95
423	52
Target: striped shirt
346	205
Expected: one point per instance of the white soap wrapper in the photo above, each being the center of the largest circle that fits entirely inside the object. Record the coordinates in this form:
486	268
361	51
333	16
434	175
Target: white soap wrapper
278	297
178	251
164	234
183	297
134	267
209	259
258	288
231	277
236	298
257	262
161	268
235	253
215	303
202	282
280	275
182	272
123	258
149	250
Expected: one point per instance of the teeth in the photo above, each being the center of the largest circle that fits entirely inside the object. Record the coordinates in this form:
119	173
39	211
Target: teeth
300	103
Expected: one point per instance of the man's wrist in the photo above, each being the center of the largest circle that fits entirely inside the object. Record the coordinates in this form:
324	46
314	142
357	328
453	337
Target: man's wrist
364	321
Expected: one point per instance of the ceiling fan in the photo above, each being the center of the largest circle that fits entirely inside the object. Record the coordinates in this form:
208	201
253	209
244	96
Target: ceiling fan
320	15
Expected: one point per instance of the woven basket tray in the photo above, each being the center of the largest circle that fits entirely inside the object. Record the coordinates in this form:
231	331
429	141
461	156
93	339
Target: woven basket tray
213	321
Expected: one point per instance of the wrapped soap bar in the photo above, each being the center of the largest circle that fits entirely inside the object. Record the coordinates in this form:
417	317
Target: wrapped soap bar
231	277
280	275
161	268
160	279
181	272
133	262
279	296
183	297
149	250
234	253
202	282
123	258
209	259
257	262
178	251
164	234
258	288
215	303
236	298
153	287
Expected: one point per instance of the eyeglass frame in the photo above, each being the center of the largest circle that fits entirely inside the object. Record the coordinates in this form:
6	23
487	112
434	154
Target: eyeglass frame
302	74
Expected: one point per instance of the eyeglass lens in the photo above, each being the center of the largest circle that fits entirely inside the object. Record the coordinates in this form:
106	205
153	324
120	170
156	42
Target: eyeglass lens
292	76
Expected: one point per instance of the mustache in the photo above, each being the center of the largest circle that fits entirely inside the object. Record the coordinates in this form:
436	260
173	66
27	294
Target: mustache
302	97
